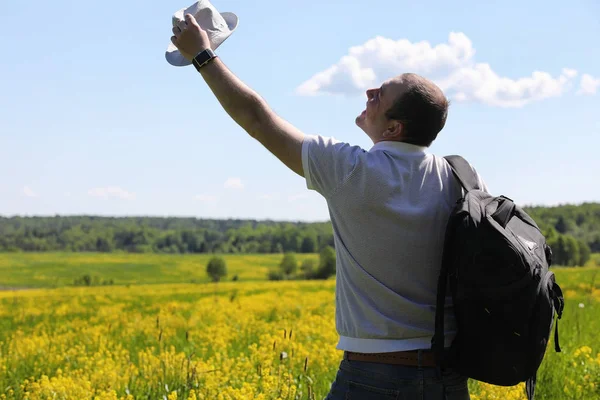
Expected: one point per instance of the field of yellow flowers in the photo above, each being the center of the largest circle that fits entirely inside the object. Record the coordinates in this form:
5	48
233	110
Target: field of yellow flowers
231	340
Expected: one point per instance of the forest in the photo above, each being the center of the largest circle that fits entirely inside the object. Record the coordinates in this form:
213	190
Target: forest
572	231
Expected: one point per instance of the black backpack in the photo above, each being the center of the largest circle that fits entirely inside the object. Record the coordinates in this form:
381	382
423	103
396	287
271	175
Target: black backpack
495	262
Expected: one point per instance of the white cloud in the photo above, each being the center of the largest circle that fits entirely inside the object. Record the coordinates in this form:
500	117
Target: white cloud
451	65
27	191
588	85
111	191
233	183
207	198
479	83
571	73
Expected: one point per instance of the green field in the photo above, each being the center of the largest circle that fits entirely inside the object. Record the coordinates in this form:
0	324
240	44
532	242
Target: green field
40	270
170	339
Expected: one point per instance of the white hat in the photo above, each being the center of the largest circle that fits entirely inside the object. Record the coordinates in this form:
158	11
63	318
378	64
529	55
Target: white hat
218	26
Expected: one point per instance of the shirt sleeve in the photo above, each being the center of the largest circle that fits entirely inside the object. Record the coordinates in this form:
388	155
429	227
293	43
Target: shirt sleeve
328	163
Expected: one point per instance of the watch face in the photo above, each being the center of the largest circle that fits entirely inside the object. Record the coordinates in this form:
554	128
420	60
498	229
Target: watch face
202	58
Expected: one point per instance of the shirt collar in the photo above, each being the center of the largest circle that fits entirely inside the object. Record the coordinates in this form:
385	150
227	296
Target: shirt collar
399	147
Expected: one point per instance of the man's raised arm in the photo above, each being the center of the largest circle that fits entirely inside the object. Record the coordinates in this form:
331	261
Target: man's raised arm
246	107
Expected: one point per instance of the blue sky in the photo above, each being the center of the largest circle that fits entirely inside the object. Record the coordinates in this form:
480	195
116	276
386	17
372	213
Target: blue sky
93	120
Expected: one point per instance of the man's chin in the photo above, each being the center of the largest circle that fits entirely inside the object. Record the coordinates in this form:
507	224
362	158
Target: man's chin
360	120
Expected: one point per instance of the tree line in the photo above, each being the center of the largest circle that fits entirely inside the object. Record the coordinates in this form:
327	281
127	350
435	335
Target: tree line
161	235
572	231
581	222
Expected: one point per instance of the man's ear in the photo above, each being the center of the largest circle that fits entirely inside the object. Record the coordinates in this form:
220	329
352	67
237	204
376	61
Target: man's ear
394	130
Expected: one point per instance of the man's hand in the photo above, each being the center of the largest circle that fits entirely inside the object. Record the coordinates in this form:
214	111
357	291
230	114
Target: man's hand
189	38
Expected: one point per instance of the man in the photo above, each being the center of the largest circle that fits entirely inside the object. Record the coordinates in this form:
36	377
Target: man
389	207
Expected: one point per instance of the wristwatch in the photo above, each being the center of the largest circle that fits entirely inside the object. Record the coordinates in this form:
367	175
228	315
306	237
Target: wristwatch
203	58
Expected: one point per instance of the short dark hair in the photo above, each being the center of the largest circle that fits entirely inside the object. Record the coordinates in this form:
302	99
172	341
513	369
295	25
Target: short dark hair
422	108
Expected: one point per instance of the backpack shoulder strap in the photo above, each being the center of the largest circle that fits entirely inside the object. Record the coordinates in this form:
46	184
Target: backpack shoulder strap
463	172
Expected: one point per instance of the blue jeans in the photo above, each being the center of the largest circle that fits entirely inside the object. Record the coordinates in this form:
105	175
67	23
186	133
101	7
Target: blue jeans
359	380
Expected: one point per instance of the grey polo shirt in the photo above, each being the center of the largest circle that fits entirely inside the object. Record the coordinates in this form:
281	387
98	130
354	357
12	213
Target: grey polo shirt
388	207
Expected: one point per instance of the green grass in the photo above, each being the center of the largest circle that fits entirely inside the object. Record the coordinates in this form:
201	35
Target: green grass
48	270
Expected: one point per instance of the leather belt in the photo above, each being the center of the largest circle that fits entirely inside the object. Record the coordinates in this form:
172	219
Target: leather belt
409	358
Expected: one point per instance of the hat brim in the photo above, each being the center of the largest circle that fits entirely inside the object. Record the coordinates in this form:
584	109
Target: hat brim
174	56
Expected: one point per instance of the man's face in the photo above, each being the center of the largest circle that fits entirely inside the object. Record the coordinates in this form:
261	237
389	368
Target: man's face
373	120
